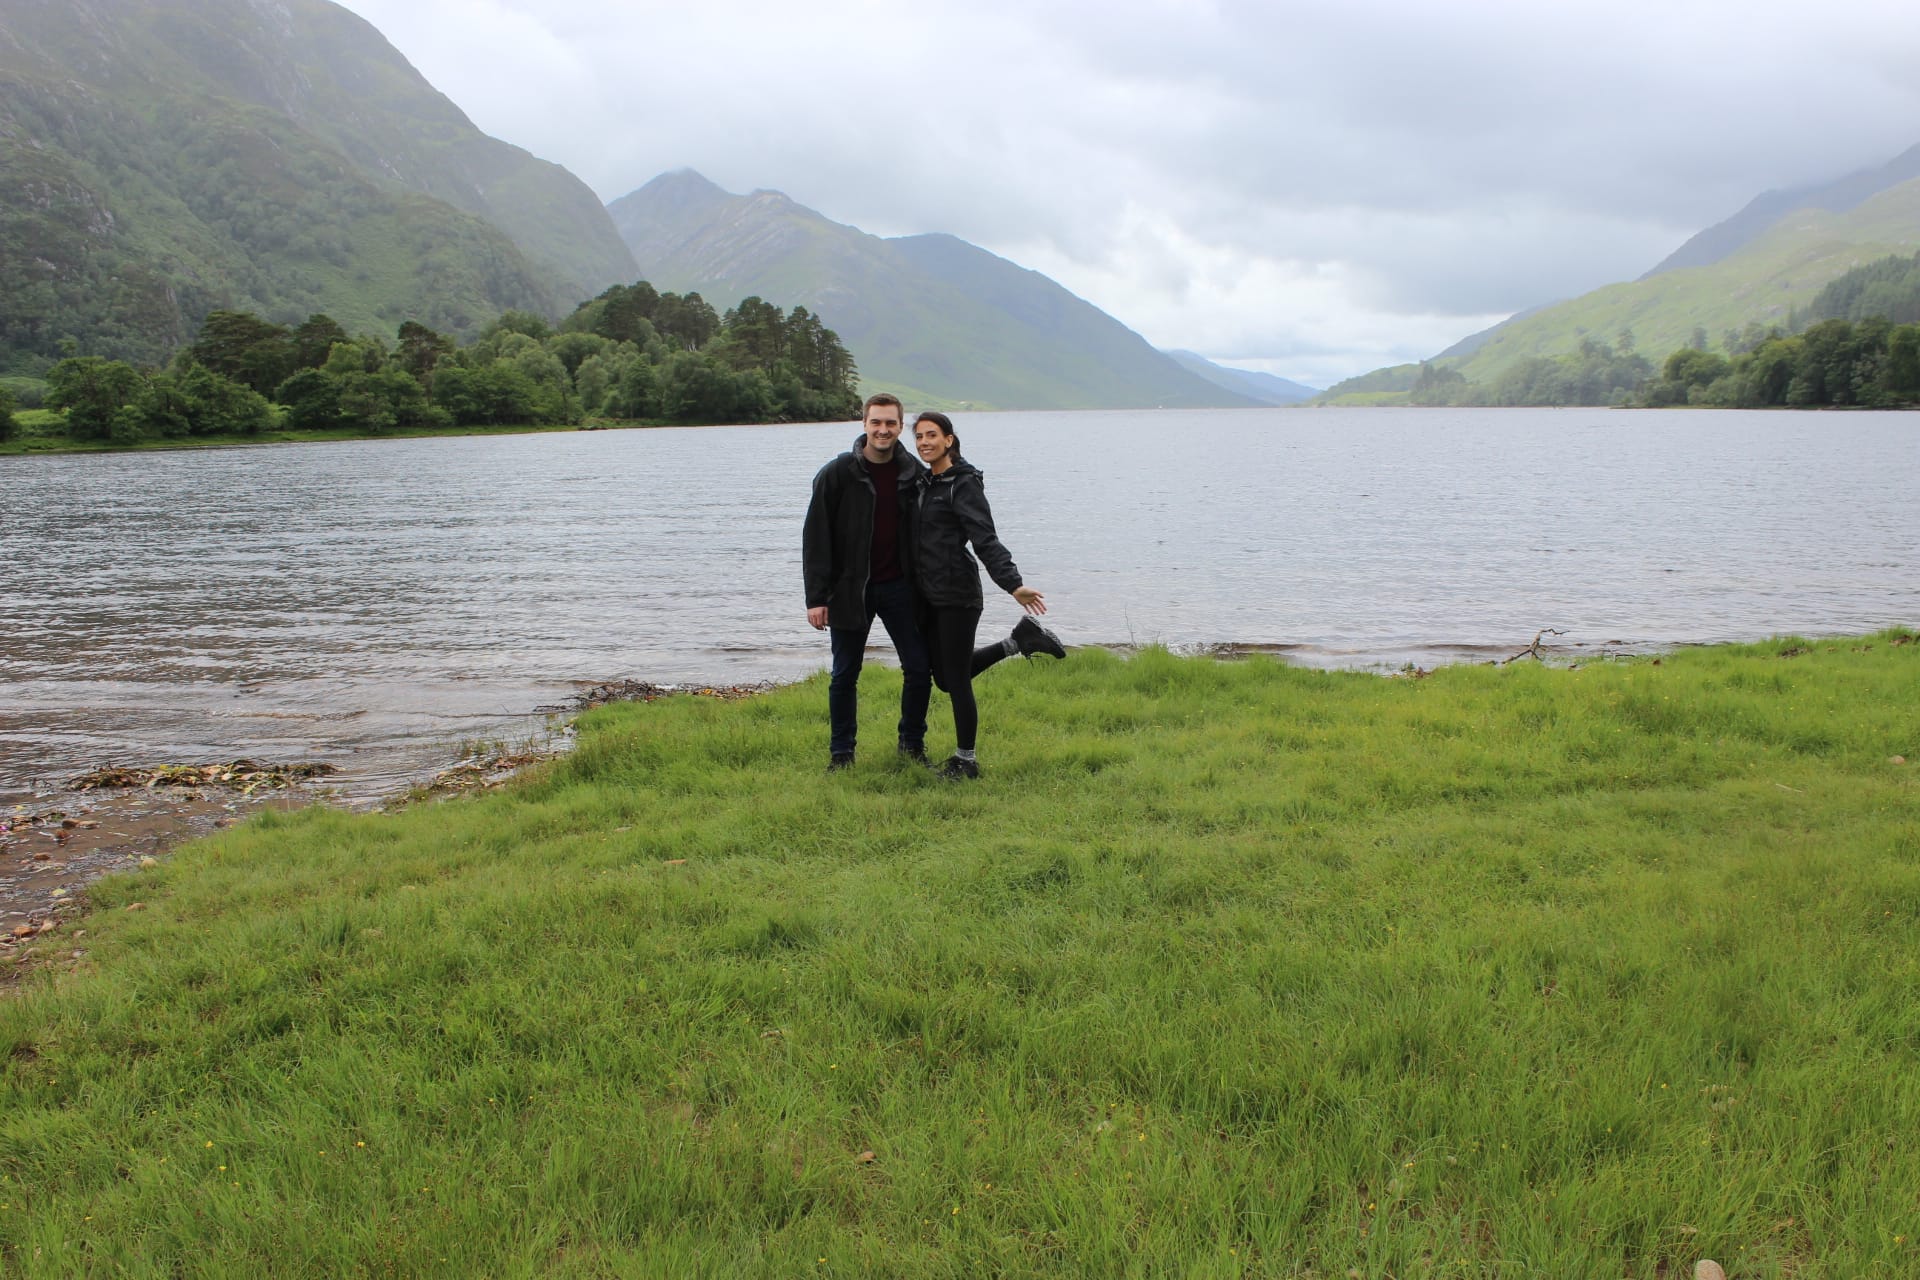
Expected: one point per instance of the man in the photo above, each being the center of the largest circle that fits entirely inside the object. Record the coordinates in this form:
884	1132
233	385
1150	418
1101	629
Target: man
858	565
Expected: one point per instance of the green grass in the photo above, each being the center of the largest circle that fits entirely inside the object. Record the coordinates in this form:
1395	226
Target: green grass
1222	969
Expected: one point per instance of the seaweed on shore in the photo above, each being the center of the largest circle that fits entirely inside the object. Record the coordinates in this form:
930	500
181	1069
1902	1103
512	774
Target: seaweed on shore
245	776
645	691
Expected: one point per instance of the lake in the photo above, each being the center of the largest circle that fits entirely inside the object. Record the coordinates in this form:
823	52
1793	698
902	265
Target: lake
373	603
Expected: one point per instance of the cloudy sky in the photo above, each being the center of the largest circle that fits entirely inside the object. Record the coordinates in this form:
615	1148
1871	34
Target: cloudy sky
1313	189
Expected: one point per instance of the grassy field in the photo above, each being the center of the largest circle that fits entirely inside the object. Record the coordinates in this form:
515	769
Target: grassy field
1222	969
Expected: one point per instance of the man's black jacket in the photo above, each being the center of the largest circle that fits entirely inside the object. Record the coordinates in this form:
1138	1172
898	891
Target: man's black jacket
836	545
953	511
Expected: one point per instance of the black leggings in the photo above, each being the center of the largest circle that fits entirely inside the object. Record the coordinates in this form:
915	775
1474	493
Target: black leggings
949	636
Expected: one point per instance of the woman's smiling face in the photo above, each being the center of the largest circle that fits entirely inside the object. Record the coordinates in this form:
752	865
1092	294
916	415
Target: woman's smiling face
930	441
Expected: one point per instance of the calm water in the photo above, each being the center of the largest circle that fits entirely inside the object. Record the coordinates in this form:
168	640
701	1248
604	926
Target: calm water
370	603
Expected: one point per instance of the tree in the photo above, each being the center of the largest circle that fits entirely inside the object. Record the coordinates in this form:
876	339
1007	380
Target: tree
687	322
1440	385
312	398
242	346
218	406
159	408
420	351
634	394
823	363
622	313
526	322
92	391
8	427
313	340
575	349
1900	376
756	334
490	394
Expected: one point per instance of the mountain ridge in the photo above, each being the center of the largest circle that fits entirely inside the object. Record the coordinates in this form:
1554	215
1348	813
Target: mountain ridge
1264	387
163	158
928	314
1764	211
1729	276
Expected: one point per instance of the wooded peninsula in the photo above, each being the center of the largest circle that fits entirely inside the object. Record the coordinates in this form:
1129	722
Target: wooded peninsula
633	354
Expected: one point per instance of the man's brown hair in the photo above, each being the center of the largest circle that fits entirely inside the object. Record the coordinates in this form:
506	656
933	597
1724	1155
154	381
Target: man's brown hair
882	397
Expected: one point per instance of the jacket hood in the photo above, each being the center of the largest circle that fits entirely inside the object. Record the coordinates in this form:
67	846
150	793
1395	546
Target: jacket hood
961	467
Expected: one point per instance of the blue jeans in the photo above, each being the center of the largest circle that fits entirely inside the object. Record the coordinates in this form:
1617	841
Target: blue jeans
892	602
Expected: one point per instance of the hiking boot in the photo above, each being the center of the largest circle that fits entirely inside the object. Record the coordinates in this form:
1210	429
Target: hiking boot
914	753
1031	638
841	760
956	768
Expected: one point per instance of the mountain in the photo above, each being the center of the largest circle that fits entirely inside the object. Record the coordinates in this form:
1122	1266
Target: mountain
1765	210
1263	387
1474	341
1759	267
1764	281
163	158
932	317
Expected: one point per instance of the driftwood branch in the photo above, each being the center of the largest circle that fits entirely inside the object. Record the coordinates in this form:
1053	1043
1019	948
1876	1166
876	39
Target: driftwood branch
1533	650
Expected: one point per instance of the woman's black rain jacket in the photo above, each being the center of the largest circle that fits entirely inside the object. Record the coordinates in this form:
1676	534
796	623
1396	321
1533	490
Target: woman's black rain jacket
952	511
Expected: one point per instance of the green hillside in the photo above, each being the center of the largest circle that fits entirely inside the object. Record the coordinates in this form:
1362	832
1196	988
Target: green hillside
160	159
931	316
1776	274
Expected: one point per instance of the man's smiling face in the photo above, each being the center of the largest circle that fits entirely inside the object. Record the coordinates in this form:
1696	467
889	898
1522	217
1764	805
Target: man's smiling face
883	428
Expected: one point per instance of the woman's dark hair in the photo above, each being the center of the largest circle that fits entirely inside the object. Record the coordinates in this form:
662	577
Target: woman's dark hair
945	424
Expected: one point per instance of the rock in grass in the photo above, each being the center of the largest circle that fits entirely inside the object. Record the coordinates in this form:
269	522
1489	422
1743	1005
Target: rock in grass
1896	759
1708	1269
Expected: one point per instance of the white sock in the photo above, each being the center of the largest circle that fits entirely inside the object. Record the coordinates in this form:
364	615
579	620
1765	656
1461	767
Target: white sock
966	755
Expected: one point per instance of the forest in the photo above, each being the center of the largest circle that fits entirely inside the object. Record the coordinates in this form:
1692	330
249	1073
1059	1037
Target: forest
632	354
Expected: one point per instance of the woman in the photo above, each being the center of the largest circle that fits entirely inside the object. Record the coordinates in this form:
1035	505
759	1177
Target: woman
951	512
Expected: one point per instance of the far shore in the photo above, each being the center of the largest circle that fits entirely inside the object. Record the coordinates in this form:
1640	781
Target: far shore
42	446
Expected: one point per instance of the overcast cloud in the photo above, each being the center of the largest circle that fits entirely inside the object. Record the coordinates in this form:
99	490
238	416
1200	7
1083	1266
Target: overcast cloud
1310	189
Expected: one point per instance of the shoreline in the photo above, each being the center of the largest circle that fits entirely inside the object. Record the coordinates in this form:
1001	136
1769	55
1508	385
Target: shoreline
65	837
56	844
40	446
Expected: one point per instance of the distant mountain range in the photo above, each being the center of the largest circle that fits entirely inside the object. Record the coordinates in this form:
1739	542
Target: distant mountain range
163	158
932	317
1757	266
1261	386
